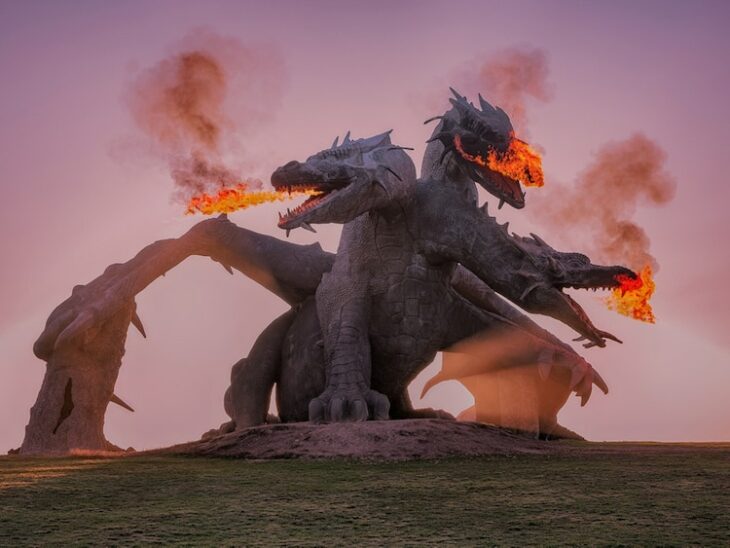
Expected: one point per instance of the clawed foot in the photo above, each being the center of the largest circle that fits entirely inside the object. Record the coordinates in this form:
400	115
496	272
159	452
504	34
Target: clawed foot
598	338
582	374
349	403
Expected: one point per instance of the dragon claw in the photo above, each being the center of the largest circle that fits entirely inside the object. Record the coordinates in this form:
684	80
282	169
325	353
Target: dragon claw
348	404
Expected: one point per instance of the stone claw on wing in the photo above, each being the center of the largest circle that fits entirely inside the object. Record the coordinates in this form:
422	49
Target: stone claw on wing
583	377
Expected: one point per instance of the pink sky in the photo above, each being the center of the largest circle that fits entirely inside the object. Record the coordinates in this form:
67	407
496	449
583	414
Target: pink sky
80	193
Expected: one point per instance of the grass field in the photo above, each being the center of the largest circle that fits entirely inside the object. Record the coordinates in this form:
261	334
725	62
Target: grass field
668	499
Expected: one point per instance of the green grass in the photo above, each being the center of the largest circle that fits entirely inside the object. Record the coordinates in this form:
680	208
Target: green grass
669	499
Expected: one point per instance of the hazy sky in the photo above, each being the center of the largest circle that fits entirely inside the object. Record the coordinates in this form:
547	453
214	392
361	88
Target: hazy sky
80	192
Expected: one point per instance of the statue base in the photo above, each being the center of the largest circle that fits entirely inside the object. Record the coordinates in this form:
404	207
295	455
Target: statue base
393	440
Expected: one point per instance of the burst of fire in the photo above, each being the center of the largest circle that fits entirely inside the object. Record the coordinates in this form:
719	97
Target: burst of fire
519	161
229	199
631	298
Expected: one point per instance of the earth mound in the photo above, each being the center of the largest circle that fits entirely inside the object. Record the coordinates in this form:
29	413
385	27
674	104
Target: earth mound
371	440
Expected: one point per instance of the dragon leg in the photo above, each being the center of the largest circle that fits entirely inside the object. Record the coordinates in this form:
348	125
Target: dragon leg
302	375
343	310
252	378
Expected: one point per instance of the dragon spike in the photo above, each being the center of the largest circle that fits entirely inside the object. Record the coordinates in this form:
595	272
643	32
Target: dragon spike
223	216
288	230
346	140
463	109
599	382
457	95
505	227
484	208
334	143
120	402
307	226
136	322
432	119
538	239
394	173
586	389
227	268
486	107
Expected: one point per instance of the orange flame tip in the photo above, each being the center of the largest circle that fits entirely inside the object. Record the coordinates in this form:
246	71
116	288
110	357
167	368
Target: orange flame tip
631	298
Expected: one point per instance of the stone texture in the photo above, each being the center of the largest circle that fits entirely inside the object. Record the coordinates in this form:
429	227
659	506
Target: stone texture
376	440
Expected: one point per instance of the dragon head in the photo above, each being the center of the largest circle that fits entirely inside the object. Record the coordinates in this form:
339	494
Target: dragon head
481	143
559	271
573	270
346	180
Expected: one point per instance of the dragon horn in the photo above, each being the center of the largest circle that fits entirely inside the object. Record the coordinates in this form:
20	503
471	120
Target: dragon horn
439	117
334	143
346	140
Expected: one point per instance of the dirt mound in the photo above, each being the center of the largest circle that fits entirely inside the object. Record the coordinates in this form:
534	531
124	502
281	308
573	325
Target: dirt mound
371	440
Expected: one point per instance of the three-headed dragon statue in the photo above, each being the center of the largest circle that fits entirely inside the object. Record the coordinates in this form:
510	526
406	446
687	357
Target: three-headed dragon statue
420	268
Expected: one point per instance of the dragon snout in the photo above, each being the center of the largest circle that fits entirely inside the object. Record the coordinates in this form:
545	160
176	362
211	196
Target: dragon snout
284	175
623	271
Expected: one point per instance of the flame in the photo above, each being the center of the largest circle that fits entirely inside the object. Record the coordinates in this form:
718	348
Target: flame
631	298
229	199
519	161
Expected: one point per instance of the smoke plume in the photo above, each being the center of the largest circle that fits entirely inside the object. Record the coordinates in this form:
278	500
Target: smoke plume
595	214
508	78
198	103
